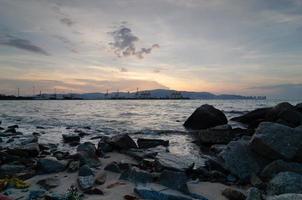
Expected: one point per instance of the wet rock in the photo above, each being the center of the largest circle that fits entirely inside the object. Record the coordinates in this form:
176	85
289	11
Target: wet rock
60	155
11	169
100	177
49	183
4	197
71	138
159	192
253	118
232	194
27	150
298	107
285	182
215	136
136	175
286	197
50	165
88	154
86	178
177	162
274	113
81	133
217	148
36	194
113	167
277	166
94	190
122	142
140	154
174	180
241	161
104	146
144	143
73	166
253	194
276	141
206	116
290	118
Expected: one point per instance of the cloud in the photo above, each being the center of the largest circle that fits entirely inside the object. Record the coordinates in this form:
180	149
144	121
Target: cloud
123	69
124	43
67	21
293	91
20	43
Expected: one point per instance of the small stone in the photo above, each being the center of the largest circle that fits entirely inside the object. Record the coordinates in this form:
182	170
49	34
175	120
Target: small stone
232	194
49	183
100	178
113	167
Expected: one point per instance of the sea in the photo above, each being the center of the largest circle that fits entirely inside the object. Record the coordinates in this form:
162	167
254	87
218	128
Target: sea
139	118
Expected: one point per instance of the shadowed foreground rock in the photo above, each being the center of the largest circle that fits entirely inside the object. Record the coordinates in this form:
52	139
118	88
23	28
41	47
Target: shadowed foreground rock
206	116
159	192
285	182
275	141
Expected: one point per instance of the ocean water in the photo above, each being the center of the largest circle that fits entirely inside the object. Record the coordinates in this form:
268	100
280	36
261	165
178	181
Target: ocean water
140	118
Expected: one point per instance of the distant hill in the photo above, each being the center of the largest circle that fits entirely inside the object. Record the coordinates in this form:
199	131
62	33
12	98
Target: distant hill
151	94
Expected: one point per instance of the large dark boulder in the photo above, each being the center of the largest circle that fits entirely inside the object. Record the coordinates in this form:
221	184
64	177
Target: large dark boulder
144	143
290	118
88	154
159	192
136	175
278	166
285	182
253	118
174	180
274	113
11	169
86	178
50	165
27	150
122	142
276	141
206	116
215	136
298	107
241	161
71	138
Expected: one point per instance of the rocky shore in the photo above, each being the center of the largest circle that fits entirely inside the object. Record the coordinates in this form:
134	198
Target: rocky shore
258	162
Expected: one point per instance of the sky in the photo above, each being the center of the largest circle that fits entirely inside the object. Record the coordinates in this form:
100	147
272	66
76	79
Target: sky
251	47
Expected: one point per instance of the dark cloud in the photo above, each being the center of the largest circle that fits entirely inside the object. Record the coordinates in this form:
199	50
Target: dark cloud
20	43
67	21
124	43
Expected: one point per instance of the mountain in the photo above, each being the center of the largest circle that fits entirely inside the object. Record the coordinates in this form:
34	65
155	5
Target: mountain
152	94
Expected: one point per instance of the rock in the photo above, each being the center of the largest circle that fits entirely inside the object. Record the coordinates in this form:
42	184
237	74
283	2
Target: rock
232	194
86	178
100	178
10	130
285	182
277	166
144	143
27	150
122	142
73	166
130	197
136	175
298	107
177	162
140	154
50	165
241	161
174	180
215	136
81	133
11	169
49	183
88	154
286	197
159	192
94	190
290	118
71	138
113	167
36	194
274	113
104	146
276	141
254	117
4	197
206	116
217	148
253	194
